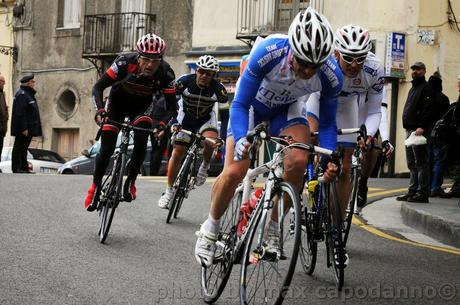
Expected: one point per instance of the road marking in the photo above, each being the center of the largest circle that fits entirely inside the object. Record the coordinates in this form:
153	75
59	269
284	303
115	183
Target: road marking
379	233
387	192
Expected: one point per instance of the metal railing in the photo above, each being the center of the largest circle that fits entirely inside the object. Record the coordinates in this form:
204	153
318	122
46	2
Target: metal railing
110	34
264	17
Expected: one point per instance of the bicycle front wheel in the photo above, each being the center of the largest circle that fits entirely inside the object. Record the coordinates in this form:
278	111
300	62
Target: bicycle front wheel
351	204
310	227
268	264
214	278
334	238
110	197
180	185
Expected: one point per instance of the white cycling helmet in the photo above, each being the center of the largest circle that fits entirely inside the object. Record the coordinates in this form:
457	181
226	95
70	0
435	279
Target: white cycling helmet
208	62
311	37
353	40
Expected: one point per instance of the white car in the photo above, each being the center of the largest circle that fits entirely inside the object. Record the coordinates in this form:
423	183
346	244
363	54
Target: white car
40	160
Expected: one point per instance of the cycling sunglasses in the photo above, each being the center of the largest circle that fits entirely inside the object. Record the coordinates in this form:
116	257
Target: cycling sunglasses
151	59
350	59
206	72
305	64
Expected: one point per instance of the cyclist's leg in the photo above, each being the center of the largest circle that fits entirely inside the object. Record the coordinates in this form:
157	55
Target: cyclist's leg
291	122
222	193
344	182
209	130
138	155
109	135
367	165
208	149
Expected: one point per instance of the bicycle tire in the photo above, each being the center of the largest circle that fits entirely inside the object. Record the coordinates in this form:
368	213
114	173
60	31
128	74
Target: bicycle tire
351	204
112	198
308	245
187	185
334	236
179	185
226	240
253	259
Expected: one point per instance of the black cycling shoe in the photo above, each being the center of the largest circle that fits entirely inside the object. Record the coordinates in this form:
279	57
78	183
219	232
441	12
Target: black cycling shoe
129	190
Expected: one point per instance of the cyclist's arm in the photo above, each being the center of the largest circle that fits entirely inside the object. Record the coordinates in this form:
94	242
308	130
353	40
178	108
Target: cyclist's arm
169	92
374	113
98	90
331	84
259	64
383	128
115	72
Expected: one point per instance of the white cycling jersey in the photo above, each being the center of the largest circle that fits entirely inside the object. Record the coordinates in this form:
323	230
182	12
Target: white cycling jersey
359	101
383	128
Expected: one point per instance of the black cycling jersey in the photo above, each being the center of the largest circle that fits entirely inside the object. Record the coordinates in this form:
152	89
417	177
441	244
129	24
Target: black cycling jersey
131	88
198	102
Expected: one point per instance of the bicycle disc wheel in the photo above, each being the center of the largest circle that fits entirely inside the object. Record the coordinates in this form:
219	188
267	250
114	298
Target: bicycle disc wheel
179	185
266	272
110	198
351	204
215	278
308	245
335	237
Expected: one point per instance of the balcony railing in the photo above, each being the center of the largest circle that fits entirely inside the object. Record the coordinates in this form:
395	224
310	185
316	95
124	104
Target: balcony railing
109	34
264	17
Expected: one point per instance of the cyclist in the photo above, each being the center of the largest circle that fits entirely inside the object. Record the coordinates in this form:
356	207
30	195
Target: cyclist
361	97
280	69
135	78
199	92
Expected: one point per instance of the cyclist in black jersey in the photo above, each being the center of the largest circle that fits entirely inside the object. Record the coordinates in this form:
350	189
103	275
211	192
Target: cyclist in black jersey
199	92
135	79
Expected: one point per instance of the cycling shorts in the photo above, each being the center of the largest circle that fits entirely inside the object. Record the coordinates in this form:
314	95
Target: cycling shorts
208	123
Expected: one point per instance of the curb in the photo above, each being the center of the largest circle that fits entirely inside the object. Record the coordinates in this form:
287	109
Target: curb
434	226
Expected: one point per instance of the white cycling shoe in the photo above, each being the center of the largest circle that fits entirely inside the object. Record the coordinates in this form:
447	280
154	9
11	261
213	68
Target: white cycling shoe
167	196
205	248
201	176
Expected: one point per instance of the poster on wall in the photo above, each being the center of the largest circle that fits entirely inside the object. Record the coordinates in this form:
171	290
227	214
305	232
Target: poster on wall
395	58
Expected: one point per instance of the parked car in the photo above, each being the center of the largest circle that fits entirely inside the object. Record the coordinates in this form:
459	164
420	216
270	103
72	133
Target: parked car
84	165
40	160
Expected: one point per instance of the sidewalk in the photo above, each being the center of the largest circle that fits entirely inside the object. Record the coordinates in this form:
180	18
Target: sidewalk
439	219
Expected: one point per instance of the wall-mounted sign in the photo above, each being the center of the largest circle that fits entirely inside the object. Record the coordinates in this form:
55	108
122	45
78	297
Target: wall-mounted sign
395	58
425	37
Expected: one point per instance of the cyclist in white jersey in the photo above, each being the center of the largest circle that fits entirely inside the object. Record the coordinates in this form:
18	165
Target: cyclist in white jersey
280	70
361	97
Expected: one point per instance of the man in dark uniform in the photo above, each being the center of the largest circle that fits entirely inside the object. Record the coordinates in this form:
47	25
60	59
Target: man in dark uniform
25	123
135	79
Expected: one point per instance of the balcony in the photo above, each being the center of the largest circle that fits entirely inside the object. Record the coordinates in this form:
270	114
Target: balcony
106	35
265	17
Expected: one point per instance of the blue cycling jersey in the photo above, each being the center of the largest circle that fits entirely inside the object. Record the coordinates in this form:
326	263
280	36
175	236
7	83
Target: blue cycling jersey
269	85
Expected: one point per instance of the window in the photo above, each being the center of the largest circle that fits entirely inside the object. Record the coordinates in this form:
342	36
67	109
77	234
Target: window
69	14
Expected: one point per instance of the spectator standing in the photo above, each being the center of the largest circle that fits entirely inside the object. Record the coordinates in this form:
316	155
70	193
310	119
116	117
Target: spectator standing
437	152
25	123
3	114
417	117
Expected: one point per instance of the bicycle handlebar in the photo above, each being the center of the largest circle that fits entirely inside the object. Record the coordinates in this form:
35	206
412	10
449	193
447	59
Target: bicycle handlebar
122	125
217	141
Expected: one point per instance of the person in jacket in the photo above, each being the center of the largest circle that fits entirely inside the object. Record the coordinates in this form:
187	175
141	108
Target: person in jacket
25	123
417	117
437	152
3	114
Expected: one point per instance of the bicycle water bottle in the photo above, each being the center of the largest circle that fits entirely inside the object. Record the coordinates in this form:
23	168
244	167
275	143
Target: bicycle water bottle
246	210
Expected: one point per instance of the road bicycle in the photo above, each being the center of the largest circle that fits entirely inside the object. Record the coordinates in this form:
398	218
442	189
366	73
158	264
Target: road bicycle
185	180
266	271
112	185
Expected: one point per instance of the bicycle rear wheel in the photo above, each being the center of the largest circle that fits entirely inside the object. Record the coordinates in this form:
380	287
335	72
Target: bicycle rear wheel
309	227
334	237
179	185
265	275
351	204
215	278
110	197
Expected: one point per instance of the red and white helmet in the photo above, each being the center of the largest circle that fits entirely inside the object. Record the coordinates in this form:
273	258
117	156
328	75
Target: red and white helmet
151	45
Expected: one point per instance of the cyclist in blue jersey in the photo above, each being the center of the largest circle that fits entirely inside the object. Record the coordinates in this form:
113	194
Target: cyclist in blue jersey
280	69
199	92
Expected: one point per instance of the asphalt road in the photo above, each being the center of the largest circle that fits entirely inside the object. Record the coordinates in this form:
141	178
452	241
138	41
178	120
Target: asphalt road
50	254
